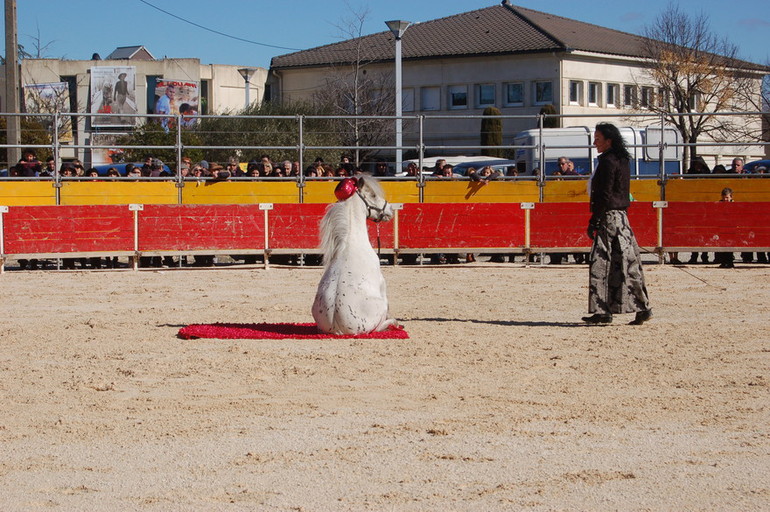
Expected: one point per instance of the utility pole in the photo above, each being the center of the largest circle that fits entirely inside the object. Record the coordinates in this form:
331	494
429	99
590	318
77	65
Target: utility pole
12	83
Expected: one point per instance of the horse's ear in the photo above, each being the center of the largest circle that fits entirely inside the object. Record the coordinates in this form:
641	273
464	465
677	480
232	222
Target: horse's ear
360	182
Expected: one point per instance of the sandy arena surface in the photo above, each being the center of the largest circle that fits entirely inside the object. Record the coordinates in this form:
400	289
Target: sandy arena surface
501	399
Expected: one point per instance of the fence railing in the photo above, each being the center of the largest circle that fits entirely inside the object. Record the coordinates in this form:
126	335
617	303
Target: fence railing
70	135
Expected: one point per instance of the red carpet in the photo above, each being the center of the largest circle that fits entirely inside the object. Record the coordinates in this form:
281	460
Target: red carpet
276	332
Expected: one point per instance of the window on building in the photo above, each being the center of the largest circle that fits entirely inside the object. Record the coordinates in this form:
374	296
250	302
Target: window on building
152	82
205	94
629	96
594	90
647	99
514	94
695	101
407	99
663	98
458	96
575	92
612	95
485	95
543	92
72	89
430	98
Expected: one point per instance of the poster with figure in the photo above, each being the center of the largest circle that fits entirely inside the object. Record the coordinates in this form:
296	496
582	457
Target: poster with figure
175	97
113	91
50	98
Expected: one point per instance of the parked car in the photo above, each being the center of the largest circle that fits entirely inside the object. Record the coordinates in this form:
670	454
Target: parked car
103	168
456	161
498	164
751	166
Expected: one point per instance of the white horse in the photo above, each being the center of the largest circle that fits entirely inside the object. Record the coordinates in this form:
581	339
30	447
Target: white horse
351	297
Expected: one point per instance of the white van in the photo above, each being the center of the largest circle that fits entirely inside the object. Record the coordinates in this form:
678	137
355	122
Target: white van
576	143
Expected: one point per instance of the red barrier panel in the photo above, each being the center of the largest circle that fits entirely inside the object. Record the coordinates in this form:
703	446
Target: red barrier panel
108	229
564	225
68	229
471	225
201	227
297	226
716	224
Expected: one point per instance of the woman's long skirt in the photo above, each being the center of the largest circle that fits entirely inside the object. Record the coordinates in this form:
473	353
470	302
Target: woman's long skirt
616	280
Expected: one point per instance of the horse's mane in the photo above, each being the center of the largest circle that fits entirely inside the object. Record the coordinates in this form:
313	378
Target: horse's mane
335	225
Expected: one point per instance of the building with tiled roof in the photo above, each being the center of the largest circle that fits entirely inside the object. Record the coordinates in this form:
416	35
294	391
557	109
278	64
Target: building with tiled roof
506	56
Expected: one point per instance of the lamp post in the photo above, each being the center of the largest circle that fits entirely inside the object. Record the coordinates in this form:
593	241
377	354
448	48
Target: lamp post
398	27
247	73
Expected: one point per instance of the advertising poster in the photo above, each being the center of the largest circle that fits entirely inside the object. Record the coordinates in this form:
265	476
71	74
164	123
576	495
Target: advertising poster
112	154
113	91
176	97
50	98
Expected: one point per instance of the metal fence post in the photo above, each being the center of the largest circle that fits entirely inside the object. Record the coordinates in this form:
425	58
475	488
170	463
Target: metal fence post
301	157
541	156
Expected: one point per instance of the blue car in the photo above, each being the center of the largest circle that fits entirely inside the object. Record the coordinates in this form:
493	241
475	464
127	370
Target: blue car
102	169
751	166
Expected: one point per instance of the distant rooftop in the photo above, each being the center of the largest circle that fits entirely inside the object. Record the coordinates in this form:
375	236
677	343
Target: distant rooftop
503	29
130	53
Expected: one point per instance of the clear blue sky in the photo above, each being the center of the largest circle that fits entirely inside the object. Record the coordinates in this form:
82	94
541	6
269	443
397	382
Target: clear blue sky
75	29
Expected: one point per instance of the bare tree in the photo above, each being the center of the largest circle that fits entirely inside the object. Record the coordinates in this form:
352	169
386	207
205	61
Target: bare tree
354	89
696	75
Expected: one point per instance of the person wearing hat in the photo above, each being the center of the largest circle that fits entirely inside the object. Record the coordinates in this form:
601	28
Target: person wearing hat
218	173
156	168
121	93
233	167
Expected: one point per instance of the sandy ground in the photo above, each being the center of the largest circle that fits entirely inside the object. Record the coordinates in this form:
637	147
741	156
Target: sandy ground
501	399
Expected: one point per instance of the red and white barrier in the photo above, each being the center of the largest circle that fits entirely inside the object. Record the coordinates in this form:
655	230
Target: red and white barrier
134	230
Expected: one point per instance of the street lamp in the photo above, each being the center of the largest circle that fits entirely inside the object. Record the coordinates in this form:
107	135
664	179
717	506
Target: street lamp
247	73
398	27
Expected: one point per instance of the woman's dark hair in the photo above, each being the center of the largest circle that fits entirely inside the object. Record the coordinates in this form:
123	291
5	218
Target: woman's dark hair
611	132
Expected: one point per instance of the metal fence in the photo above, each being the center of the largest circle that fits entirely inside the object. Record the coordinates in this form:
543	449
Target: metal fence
302	138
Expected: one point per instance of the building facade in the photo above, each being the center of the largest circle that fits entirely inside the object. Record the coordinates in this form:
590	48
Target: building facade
515	59
213	88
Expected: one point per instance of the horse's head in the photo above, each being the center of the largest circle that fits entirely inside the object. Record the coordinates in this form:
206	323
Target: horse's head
371	193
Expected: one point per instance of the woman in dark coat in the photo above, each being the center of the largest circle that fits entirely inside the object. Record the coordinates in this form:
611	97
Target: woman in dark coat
616	280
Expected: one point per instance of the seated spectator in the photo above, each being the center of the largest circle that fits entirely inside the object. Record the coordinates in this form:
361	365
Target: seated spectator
381	169
233	167
288	169
411	170
438	169
29	166
725	259
49	170
266	169
737	167
512	171
698	166
447	171
133	172
93	173
719	169
67	170
113	173
562	166
219	173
